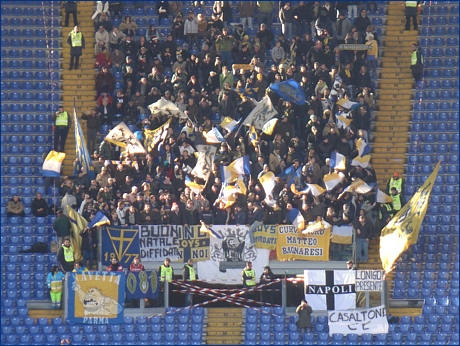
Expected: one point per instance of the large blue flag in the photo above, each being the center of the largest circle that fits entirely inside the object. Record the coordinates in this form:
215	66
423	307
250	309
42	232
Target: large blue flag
81	150
291	91
99	220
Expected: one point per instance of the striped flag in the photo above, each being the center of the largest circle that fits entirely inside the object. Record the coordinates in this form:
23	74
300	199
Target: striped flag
342	234
52	164
203	165
195	187
227	175
316	190
240	165
267	180
343	121
331	180
338	161
269	126
363	147
99	220
229	124
214	136
81	150
361	161
77	225
359	186
345	103
382	197
296	218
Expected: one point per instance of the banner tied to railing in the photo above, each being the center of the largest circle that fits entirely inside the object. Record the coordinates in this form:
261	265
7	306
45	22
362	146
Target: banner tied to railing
366	321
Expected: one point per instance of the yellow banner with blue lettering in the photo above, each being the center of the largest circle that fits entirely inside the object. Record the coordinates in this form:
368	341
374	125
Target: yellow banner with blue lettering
292	245
265	237
96	297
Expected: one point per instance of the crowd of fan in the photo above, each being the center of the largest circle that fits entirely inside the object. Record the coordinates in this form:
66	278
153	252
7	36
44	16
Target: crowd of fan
151	189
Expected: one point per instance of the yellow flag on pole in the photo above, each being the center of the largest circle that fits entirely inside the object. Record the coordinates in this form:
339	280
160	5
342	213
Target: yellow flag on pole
403	229
77	224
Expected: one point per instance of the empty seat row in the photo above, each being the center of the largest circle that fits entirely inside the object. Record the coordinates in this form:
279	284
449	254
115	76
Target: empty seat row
434	116
439	10
26	118
439	52
438	41
27	128
30	32
439	31
432	148
434	106
29	43
444	62
27	230
444	84
29	107
28	53
29	11
25	86
429	159
38	22
26	170
22	182
440	229
440	20
29	75
431	137
26	150
31	96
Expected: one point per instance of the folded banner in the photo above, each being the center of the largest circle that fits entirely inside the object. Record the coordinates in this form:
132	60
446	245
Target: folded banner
338	161
203	165
265	237
363	147
95	298
163	106
291	245
363	321
140	285
291	91
330	289
342	234
262	112
267	180
52	164
403	229
99	220
229	253
122	136
269	126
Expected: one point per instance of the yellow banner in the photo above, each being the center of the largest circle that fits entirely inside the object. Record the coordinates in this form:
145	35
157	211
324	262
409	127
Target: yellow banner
265	237
291	245
403	229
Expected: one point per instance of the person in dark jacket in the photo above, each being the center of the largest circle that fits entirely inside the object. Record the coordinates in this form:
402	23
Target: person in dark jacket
416	64
70	7
190	216
88	246
76	41
411	12
39	206
93	126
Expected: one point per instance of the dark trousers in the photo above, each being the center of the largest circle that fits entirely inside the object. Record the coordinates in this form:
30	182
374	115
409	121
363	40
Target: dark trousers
91	138
191	38
67	15
414	20
60	136
417	76
74	60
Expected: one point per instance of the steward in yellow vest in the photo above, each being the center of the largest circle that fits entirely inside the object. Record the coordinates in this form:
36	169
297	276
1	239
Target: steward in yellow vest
66	256
249	275
188	274
398	201
396	182
76	42
61	129
54	283
166	271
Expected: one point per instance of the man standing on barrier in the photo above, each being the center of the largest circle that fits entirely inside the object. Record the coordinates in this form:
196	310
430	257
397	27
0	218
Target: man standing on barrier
166	274
249	278
189	274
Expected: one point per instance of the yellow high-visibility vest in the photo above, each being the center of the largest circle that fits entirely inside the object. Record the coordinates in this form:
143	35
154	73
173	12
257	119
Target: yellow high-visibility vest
396	183
62	119
413	58
411	3
68	253
76	38
388	208
166	273
56	286
191	271
396	202
250	273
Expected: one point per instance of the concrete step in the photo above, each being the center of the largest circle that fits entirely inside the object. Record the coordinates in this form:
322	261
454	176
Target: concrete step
81	90
391	32
393	102
389	150
383	158
401	86
404	311
382	138
77	75
79	97
390	108
395	97
390	75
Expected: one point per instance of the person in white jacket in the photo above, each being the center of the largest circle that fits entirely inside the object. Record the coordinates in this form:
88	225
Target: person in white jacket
191	29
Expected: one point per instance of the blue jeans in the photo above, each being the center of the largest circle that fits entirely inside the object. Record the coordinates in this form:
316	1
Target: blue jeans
266	18
302	28
287	30
188	299
226	58
88	255
362	246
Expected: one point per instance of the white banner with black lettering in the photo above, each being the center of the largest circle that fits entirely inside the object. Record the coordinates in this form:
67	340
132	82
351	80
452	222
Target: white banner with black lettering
229	253
366	321
330	289
369	280
158	242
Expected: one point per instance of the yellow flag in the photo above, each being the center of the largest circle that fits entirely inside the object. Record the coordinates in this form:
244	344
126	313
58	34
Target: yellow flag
153	137
403	229
77	224
253	136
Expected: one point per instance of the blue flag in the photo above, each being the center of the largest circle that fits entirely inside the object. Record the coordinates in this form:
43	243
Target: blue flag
291	91
81	149
99	220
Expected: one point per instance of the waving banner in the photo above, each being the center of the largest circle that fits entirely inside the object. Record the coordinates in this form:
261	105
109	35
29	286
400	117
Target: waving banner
122	136
262	112
366	321
229	252
292	245
204	163
96	298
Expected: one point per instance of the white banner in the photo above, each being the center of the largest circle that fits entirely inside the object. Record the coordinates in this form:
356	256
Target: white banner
262	112
367	321
229	253
369	280
204	163
330	289
158	242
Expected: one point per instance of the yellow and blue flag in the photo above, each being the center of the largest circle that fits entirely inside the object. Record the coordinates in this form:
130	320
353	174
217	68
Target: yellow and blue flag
99	220
331	180
296	218
363	147
269	126
361	161
240	165
291	91
77	225
52	164
253	136
267	180
81	150
338	161
403	229
214	136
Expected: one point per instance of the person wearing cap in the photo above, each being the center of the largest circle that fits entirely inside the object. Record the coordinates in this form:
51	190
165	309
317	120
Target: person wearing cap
62	124
76	41
397	182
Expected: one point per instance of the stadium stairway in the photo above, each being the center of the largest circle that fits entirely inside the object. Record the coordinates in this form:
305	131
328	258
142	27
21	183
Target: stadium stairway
224	326
78	84
395	95
48	314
